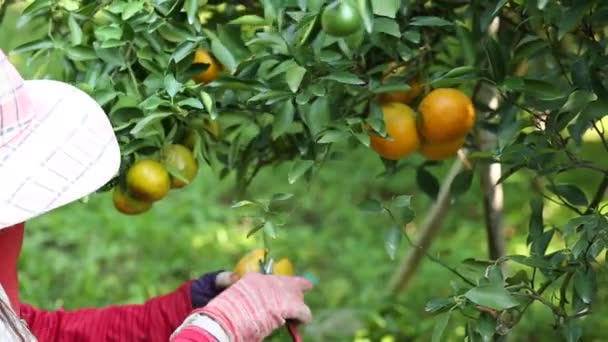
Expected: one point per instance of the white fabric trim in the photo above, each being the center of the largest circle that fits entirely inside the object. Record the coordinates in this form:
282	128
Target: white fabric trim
208	324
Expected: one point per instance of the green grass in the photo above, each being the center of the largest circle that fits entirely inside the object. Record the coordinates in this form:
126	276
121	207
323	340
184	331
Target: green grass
87	254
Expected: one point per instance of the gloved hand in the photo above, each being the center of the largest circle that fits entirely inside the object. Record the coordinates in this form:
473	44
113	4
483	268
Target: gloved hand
209	286
252	308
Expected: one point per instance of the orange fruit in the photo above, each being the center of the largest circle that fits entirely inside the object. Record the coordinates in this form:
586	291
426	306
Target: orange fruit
446	114
250	262
283	267
442	150
400	123
148	180
127	204
181	159
203	57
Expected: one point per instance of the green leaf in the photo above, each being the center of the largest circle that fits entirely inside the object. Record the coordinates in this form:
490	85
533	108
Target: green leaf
298	168
294	76
283	119
75	30
344	77
172	86
437	305
270	230
429	21
80	53
209	104
223	55
427	182
440	325
542	90
191	102
387	26
534	261
584	284
191	7
570	193
282	196
402	201
491	295
386	8
245	203
392	240
571	17
462	182
363	138
131	8
577	100
389	88
572	330
366	15
499	5
41	44
371	206
333	136
486	326
536	223
183	50
149	120
248	19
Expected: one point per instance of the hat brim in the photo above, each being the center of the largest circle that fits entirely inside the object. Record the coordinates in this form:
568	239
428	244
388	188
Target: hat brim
68	151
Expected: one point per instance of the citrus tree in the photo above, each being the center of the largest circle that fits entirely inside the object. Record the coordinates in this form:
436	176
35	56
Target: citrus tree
241	85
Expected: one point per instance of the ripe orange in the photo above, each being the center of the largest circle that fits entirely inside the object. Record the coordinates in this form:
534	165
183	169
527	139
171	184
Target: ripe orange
250	262
180	158
283	267
446	114
442	150
400	122
148	180
203	57
127	204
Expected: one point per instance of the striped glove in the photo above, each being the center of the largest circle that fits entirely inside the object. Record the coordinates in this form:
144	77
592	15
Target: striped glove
251	309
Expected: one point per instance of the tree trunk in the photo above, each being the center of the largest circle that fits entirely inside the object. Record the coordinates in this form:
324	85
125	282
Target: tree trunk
493	199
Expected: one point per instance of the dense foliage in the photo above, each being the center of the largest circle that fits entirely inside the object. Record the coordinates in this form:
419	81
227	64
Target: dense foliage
290	93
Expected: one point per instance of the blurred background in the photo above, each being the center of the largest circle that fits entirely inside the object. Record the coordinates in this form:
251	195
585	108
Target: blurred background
89	255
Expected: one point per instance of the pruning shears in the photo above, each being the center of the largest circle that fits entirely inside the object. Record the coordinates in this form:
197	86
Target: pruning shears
292	325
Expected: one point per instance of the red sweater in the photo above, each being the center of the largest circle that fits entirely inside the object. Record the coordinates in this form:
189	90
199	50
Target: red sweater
152	321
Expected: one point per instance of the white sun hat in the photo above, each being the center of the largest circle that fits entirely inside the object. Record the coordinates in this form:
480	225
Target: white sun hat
56	146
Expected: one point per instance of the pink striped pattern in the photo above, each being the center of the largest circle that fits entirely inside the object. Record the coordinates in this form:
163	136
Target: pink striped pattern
256	305
56	145
15	106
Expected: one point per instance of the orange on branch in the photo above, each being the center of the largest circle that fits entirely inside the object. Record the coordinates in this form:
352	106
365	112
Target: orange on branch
402	140
148	180
181	159
442	150
250	262
127	204
203	57
446	114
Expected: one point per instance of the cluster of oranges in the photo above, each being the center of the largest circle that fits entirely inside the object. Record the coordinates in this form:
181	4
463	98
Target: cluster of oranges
253	262
437	130
148	180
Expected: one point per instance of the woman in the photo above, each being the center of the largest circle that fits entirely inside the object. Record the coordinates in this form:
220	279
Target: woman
56	146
